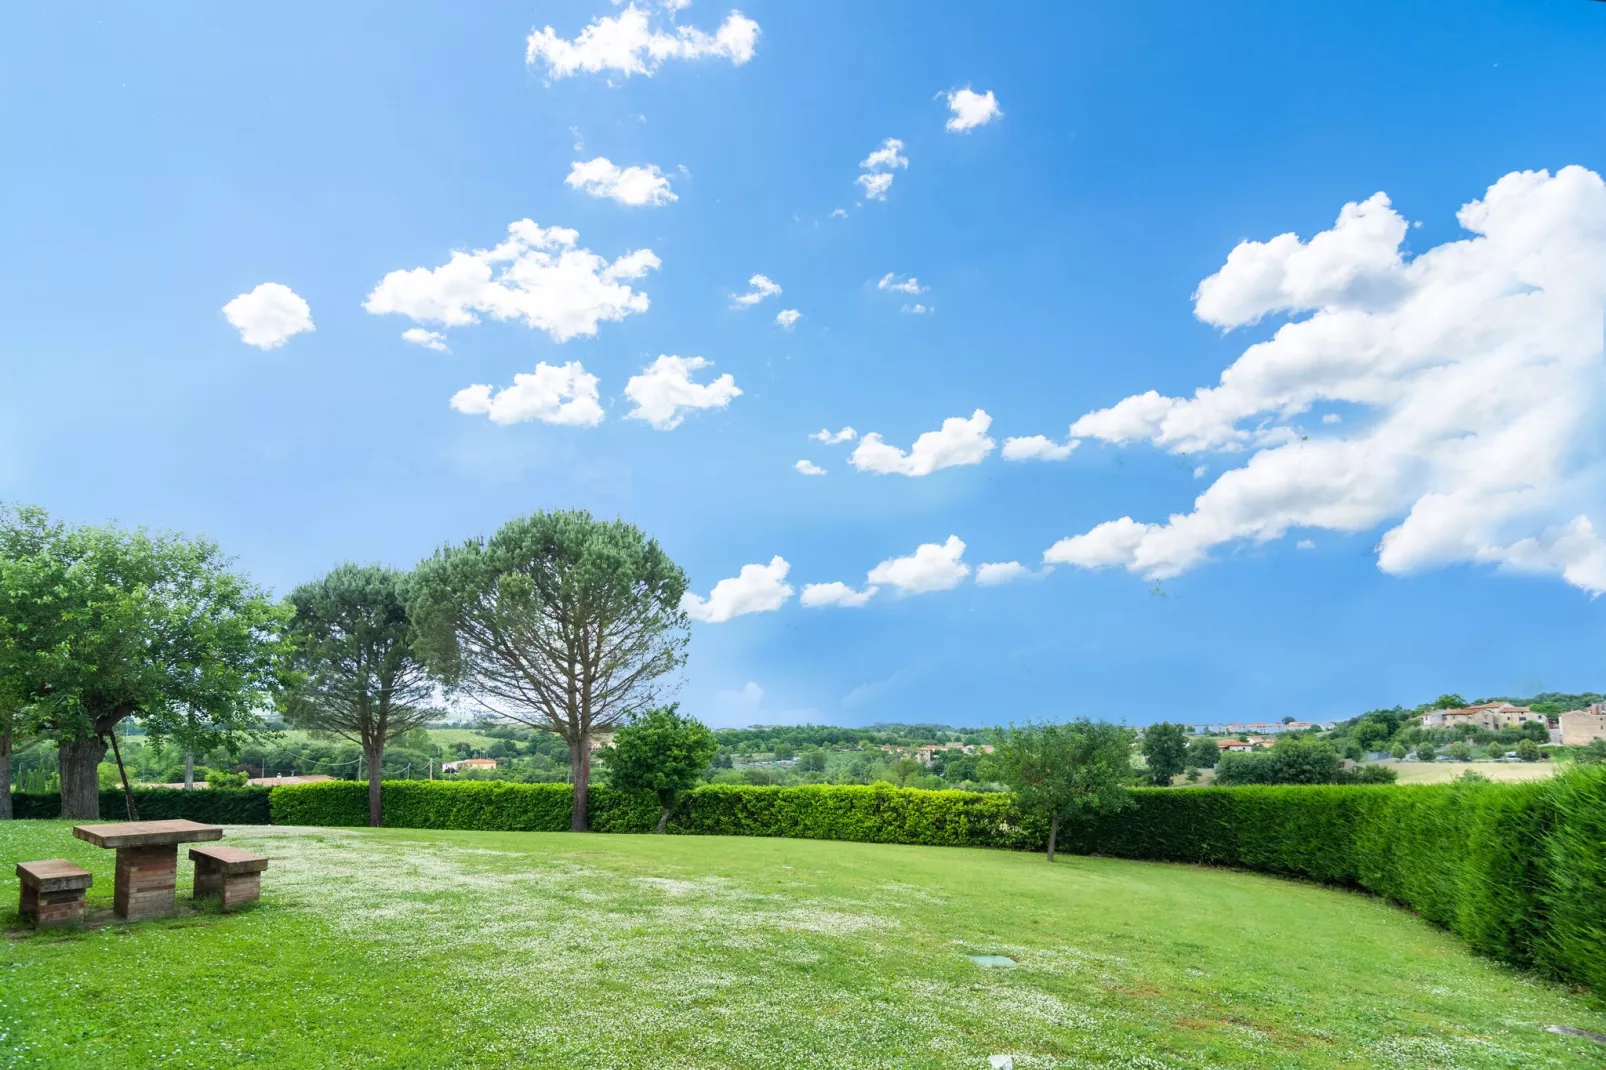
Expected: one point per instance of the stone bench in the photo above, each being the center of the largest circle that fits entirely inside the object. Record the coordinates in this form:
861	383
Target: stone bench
227	872
52	892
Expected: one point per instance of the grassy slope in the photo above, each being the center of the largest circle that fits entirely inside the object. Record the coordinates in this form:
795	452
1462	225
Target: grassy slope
404	948
1443	772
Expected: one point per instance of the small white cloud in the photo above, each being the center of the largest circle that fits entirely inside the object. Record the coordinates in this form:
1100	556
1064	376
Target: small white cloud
839	213
997	573
932	567
787	317
971	109
539	275
759	287
756	589
1110	543
637	186
1038	448
960	441
916	309
1304	544
888	157
1332	418
564	395
269	315
1200	472
898	284
627	44
428	339
817	595
878	167
747	699
875	186
809	468
664	391
830	438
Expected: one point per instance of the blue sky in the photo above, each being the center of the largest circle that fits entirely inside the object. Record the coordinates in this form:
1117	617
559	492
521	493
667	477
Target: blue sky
1427	428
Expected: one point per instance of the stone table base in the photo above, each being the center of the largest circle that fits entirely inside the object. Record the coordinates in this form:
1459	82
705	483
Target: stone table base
146	880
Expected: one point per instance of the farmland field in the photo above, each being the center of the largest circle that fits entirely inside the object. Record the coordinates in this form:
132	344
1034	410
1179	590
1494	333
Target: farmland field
408	948
1444	772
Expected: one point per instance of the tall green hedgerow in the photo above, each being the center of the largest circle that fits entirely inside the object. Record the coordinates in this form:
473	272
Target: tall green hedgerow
213	806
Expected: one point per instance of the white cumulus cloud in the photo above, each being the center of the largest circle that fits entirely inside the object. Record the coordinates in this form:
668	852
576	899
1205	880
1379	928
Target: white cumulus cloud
932	567
756	589
1480	364
428	339
269	315
788	317
633	185
539	276
971	109
917	309
898	284
818	595
664	392
809	468
628	44
997	573
831	438
553	395
960	441
1038	448
878	168
758	288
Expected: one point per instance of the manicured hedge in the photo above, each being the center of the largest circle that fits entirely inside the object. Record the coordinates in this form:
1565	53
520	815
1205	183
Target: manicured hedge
876	814
217	806
1517	870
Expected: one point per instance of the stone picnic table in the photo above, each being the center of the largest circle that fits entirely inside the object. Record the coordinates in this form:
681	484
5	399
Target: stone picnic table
147	861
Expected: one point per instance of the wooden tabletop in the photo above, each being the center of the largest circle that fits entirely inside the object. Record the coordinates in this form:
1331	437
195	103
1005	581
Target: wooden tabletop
147	833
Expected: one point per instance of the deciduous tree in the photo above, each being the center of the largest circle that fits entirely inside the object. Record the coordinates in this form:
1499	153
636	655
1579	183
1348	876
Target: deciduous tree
1165	751
1064	770
357	674
558	621
662	752
99	624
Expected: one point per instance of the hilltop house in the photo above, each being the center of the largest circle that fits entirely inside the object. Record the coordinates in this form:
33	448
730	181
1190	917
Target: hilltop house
1243	744
925	755
469	763
1489	715
1579	728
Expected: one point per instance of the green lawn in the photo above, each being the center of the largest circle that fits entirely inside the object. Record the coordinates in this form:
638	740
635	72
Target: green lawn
416	949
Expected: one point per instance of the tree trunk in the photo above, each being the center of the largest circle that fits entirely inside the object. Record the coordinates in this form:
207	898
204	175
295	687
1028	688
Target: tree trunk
375	756
580	766
189	771
80	783
663	819
1053	834
5	776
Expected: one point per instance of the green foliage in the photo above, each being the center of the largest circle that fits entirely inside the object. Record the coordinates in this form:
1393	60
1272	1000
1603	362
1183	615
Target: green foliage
1203	753
218	806
223	778
1528	750
559	621
1397	752
1449	701
1165	751
1294	760
1459	751
660	752
1538	731
1594	753
1059	771
869	814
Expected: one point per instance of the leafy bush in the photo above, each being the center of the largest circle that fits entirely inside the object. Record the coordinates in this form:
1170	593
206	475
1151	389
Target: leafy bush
218	806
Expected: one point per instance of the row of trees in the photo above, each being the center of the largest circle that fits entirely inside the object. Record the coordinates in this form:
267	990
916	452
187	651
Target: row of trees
558	621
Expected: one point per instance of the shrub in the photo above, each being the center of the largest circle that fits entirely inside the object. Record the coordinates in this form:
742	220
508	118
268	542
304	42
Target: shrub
219	806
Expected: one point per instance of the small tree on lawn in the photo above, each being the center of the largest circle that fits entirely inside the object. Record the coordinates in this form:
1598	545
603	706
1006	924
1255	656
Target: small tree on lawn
1528	750
1066	770
662	752
557	621
1397	751
358	676
1165	750
98	624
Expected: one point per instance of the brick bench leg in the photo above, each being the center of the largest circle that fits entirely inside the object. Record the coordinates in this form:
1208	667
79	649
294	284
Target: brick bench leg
241	888
208	877
146	878
47	910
